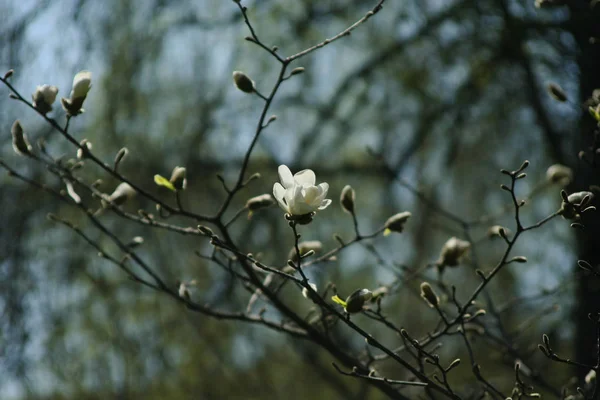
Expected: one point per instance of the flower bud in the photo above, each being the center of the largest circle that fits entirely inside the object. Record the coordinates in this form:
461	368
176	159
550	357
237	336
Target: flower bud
82	83
347	199
20	143
452	252
559	173
259	202
306	293
575	201
396	223
429	295
310	245
178	178
44	97
297	70
590	377
356	301
243	82
122	193
497	231
81	153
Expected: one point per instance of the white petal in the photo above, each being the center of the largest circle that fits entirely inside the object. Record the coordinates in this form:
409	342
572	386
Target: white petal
305	178
324	188
325	204
285	176
311	194
278	191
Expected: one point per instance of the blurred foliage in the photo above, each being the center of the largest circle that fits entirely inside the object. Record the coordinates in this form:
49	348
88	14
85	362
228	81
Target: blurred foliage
447	92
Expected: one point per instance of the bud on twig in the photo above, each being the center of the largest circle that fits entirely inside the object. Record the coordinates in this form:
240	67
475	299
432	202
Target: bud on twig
178	179
243	82
396	222
347	199
82	83
122	193
557	92
259	202
44	97
356	301
454	249
429	295
20	143
560	174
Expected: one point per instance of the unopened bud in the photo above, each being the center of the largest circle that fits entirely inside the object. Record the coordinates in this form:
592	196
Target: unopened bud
310	245
308	294
83	153
43	98
243	82
429	295
20	143
122	193
297	71
260	202
452	252
396	222
497	231
356	301
560	174
178	178
82	83
347	199
590	377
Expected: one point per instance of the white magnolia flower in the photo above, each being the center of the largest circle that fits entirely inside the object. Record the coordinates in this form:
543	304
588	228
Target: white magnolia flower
298	195
82	82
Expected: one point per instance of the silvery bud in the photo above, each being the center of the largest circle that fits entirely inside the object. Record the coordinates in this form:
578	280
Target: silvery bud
559	173
497	231
81	153
356	301
574	202
429	295
307	294
82	83
122	193
44	97
396	223
259	202
19	140
243	82
347	199
178	178
310	245
454	249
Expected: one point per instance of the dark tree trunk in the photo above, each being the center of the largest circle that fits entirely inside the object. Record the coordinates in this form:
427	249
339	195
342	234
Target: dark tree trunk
586	28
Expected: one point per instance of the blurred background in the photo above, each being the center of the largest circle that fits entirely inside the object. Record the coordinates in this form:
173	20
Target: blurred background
447	92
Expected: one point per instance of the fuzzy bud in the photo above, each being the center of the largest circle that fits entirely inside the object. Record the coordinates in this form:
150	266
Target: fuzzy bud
178	178
356	301
571	207
347	199
396	222
19	140
44	97
429	295
310	245
560	174
82	83
454	249
122	193
260	202
497	231
243	82
306	293
81	153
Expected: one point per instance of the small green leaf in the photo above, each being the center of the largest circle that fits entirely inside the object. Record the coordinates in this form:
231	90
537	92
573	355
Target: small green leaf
337	299
162	181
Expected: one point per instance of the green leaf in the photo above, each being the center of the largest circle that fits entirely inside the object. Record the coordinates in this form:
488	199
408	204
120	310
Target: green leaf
336	299
162	181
